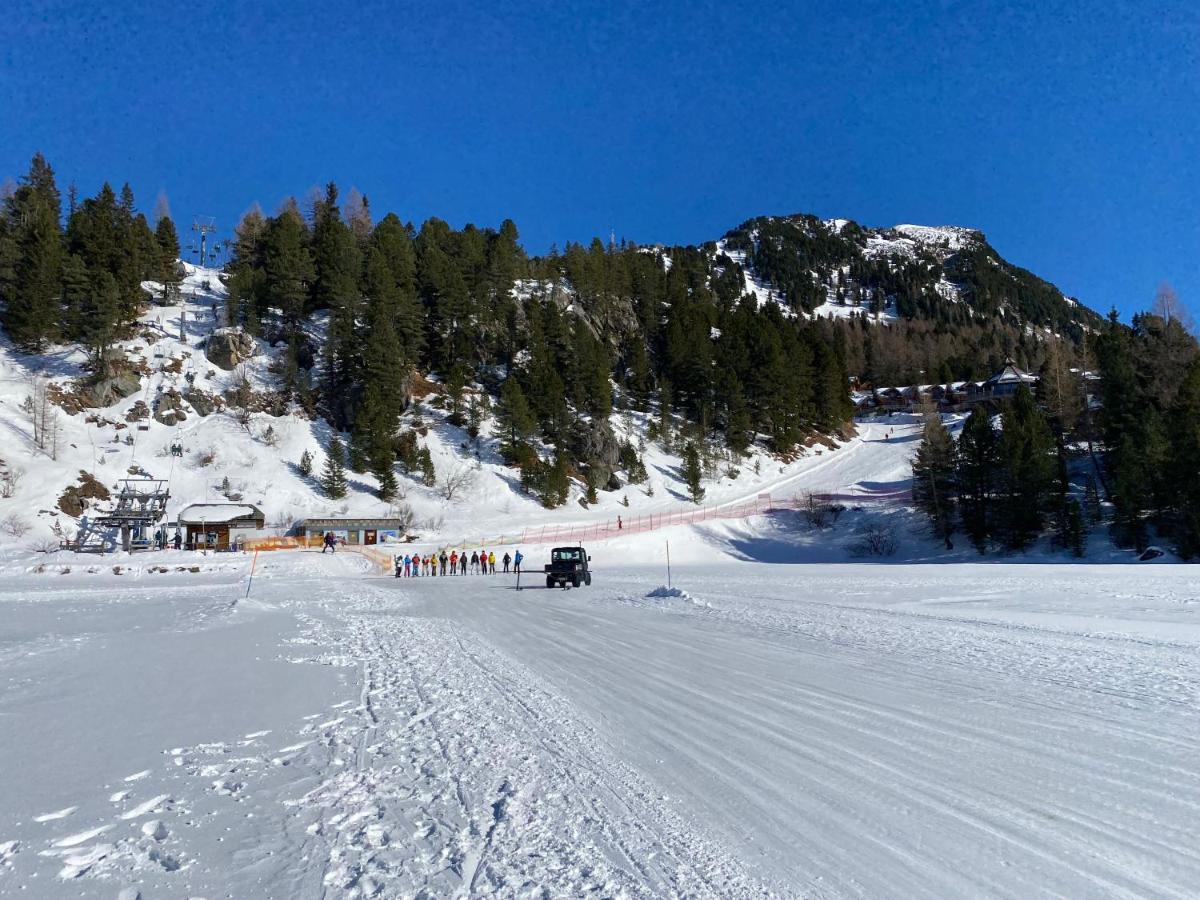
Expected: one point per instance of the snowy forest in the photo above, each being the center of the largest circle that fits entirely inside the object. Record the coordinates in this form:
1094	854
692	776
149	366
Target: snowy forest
550	344
1009	477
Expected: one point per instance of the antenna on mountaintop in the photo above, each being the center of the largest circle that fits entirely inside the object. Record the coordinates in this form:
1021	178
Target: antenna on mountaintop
205	225
612	238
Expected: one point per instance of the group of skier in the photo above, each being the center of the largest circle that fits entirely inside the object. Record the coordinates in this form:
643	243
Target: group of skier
480	562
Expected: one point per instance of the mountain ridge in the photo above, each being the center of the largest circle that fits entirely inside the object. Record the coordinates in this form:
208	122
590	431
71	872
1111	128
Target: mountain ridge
915	270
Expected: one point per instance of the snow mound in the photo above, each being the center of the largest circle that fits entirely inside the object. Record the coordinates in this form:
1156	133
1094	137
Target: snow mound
664	591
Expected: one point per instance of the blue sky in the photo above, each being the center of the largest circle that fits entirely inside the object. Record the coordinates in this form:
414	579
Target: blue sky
1068	132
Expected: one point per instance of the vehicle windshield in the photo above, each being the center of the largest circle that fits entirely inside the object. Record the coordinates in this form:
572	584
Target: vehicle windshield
571	554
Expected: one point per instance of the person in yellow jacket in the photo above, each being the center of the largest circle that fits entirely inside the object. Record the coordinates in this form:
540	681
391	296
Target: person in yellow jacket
491	562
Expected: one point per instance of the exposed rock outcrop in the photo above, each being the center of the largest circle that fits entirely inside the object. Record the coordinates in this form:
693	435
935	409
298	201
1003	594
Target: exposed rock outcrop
227	347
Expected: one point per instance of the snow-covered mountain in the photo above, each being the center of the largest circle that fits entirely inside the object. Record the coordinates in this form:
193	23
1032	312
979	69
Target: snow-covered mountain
837	268
57	447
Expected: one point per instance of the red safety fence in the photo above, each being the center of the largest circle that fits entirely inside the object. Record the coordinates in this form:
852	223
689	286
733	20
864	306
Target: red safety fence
381	556
625	525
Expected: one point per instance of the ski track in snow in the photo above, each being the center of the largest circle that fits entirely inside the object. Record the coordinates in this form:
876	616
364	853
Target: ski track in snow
468	775
758	730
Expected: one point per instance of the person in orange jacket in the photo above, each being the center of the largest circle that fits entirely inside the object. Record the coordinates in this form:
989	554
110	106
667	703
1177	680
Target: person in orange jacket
453	562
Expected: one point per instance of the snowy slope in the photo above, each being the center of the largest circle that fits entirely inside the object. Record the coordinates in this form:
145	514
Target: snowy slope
768	727
217	447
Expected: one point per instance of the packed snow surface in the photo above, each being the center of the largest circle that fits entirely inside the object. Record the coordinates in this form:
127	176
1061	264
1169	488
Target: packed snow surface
765	726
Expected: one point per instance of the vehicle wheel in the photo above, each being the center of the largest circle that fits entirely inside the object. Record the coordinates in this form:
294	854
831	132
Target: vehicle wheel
575	581
549	582
588	579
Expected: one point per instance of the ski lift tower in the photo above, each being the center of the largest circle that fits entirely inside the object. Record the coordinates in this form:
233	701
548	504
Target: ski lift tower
140	504
204	225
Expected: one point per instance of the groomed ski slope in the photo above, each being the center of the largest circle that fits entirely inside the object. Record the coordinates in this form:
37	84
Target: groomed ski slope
772	727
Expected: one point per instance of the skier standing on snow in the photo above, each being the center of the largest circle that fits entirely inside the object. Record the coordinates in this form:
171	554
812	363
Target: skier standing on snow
462	563
491	563
330	543
474	562
507	561
443	560
517	562
453	562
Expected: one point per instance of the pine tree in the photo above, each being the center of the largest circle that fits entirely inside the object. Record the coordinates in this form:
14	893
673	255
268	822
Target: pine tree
306	464
31	283
976	472
428	472
1071	530
77	288
533	473
337	262
934	479
443	287
33	312
1060	390
166	271
556	485
247	281
383	371
1184	469
387	481
692	472
739	427
394	241
99	321
333	478
1026	471
456	386
287	274
665	401
516	419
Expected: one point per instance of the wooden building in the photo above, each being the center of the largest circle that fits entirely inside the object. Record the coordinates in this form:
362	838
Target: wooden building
220	526
355	531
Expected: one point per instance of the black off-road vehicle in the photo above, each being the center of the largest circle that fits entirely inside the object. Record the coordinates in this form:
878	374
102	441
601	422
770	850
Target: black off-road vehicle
568	565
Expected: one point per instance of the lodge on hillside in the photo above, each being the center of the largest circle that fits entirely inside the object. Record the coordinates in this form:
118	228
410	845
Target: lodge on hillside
952	397
220	526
